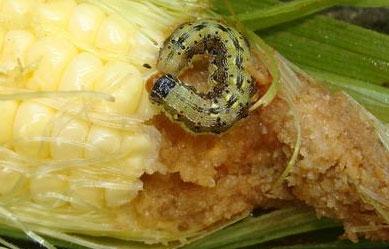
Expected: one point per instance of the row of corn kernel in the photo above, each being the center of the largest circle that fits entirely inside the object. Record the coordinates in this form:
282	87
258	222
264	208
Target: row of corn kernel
58	64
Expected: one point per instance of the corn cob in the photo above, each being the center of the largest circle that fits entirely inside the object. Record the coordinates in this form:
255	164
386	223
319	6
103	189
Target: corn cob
62	153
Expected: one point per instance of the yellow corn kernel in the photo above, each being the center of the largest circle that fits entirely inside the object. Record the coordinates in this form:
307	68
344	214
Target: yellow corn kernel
81	73
113	35
54	12
84	22
16	43
50	57
84	197
32	125
2	36
87	197
16	12
102	142
119	197
70	136
49	190
9	180
132	167
124	82
137	144
8	113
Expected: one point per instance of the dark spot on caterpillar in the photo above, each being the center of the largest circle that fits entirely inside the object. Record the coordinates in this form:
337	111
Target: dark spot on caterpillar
239	81
239	61
218	120
243	112
199	27
236	43
231	101
221	27
146	66
214	110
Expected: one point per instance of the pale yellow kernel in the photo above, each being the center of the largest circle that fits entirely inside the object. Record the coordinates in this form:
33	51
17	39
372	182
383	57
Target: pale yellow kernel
132	166
84	22
102	142
148	53
49	190
119	197
81	73
50	57
54	12
137	144
31	129
16	13
124	82
2	36
69	135
113	35
8	113
16	44
9	180
84	197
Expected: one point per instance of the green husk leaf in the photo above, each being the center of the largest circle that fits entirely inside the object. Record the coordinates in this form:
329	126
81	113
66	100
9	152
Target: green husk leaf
285	12
267	227
63	240
338	244
371	3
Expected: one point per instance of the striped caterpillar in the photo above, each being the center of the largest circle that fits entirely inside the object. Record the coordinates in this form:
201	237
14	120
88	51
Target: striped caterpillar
232	88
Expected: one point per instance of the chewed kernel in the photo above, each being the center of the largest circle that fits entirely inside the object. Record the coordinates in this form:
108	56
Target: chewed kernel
133	166
31	128
119	197
137	144
84	22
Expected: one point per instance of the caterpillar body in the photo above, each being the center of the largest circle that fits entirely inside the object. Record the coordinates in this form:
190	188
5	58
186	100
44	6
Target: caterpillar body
232	88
